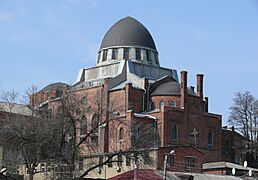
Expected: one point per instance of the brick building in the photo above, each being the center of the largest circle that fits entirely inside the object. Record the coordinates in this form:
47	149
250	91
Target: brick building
8	156
151	109
234	146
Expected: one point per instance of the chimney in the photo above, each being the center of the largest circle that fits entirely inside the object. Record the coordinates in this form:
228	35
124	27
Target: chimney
200	85
206	105
183	88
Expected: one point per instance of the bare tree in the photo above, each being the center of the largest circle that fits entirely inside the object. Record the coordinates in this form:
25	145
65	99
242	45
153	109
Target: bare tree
62	138
243	115
32	136
10	97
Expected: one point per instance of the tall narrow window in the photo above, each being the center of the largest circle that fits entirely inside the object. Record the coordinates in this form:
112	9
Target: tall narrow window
121	134
95	130
83	128
174	132
210	139
95	124
156	58
148	56
138	54
126	53
114	53
104	57
98	57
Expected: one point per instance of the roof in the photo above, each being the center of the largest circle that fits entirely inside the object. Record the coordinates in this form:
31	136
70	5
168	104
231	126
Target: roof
142	115
168	88
142	174
223	164
15	108
197	176
53	86
123	84
128	32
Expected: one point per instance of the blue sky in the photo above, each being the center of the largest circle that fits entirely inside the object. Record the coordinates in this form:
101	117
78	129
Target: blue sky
46	41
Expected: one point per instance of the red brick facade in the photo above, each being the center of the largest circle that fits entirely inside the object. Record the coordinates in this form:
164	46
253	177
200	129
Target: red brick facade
183	158
189	114
233	146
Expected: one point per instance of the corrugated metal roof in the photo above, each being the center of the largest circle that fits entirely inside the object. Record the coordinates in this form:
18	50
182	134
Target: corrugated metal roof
128	32
198	176
223	164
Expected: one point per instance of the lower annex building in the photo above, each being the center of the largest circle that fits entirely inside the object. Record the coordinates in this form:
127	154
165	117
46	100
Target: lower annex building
152	111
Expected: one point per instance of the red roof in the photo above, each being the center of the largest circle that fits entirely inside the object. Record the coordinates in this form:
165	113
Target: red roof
142	174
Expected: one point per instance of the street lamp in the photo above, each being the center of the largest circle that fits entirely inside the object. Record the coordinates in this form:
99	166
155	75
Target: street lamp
165	162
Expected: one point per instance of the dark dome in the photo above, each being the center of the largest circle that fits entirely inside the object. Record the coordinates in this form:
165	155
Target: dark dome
168	88
128	32
53	86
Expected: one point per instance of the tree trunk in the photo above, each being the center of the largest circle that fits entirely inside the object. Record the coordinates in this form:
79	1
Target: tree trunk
31	175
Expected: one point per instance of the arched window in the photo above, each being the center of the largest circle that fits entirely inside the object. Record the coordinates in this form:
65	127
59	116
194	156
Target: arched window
95	124
83	128
174	133
84	100
210	139
121	134
161	103
172	103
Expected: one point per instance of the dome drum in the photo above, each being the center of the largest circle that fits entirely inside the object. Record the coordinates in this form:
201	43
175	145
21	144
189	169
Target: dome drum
139	54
